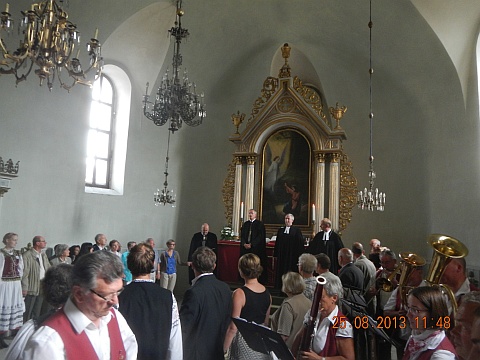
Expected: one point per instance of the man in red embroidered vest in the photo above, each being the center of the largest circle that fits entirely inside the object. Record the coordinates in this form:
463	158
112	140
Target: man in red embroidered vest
88	326
461	333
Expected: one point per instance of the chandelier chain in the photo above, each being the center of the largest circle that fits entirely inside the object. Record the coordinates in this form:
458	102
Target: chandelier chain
370	198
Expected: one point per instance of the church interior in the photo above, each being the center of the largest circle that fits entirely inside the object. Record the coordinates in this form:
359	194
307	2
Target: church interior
424	92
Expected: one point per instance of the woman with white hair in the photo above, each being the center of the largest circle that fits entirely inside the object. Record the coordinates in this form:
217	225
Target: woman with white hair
288	319
333	332
62	252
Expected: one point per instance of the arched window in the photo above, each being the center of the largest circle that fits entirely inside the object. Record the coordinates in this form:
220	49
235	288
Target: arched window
108	132
100	134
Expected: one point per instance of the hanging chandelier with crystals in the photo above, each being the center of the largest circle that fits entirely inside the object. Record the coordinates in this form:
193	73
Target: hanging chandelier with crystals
370	198
165	196
176	100
48	45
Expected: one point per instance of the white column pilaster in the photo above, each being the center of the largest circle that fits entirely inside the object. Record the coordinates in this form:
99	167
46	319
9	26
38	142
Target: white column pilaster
236	222
319	190
334	203
250	184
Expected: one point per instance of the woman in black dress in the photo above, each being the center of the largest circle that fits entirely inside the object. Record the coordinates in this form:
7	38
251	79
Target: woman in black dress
250	302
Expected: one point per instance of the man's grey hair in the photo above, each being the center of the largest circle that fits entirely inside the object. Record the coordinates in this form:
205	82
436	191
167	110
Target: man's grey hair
388	252
97	265
308	262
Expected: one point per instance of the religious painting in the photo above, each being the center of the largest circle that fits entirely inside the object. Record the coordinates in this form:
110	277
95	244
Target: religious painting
285	183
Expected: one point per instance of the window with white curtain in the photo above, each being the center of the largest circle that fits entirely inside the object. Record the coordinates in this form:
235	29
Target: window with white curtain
108	132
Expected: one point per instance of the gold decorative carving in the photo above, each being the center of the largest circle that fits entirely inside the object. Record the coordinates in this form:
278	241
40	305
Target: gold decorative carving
251	159
228	190
337	114
334	157
238	160
237	120
285	70
269	87
285	104
332	144
348	191
320	157
311	97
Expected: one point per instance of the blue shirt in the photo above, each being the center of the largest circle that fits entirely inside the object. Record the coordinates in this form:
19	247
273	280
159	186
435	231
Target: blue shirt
126	271
171	263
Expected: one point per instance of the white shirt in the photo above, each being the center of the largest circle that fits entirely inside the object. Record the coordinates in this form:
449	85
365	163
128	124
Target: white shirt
42	265
46	343
464	289
175	348
15	349
321	330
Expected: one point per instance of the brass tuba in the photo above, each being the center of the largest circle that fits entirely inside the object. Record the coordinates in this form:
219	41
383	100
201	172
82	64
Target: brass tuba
409	262
445	249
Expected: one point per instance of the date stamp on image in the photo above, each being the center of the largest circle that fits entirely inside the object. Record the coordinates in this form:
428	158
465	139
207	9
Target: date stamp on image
391	322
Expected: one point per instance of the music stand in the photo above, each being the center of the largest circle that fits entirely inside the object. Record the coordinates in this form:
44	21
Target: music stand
262	339
356	310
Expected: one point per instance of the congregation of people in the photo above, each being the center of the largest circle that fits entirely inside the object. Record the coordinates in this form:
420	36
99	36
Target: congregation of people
93	301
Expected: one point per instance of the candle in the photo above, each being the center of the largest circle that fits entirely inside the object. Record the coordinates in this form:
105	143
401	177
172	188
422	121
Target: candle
96	34
7	7
78	53
313	212
241	210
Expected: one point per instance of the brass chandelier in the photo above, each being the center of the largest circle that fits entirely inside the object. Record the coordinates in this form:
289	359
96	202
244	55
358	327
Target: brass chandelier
176	100
48	45
370	198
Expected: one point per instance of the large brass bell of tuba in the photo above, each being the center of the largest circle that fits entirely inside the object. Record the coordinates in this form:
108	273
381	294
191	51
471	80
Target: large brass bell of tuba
410	261
445	249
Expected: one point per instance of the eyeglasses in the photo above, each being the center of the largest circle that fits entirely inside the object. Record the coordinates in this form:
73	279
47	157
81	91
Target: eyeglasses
416	311
107	298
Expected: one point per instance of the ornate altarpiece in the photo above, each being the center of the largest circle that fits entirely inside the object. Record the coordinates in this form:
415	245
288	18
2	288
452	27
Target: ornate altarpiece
290	148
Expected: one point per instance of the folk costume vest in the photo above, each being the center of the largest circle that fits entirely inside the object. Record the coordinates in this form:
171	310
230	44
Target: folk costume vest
73	341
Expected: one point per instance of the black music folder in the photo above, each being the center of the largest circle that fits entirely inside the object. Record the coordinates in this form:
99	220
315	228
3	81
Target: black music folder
262	339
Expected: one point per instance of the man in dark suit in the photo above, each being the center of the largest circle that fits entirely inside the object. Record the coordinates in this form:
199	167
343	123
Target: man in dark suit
253	241
100	242
202	238
328	242
205	311
288	247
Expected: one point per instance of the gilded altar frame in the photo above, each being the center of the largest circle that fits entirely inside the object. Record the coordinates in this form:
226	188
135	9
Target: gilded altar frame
287	106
